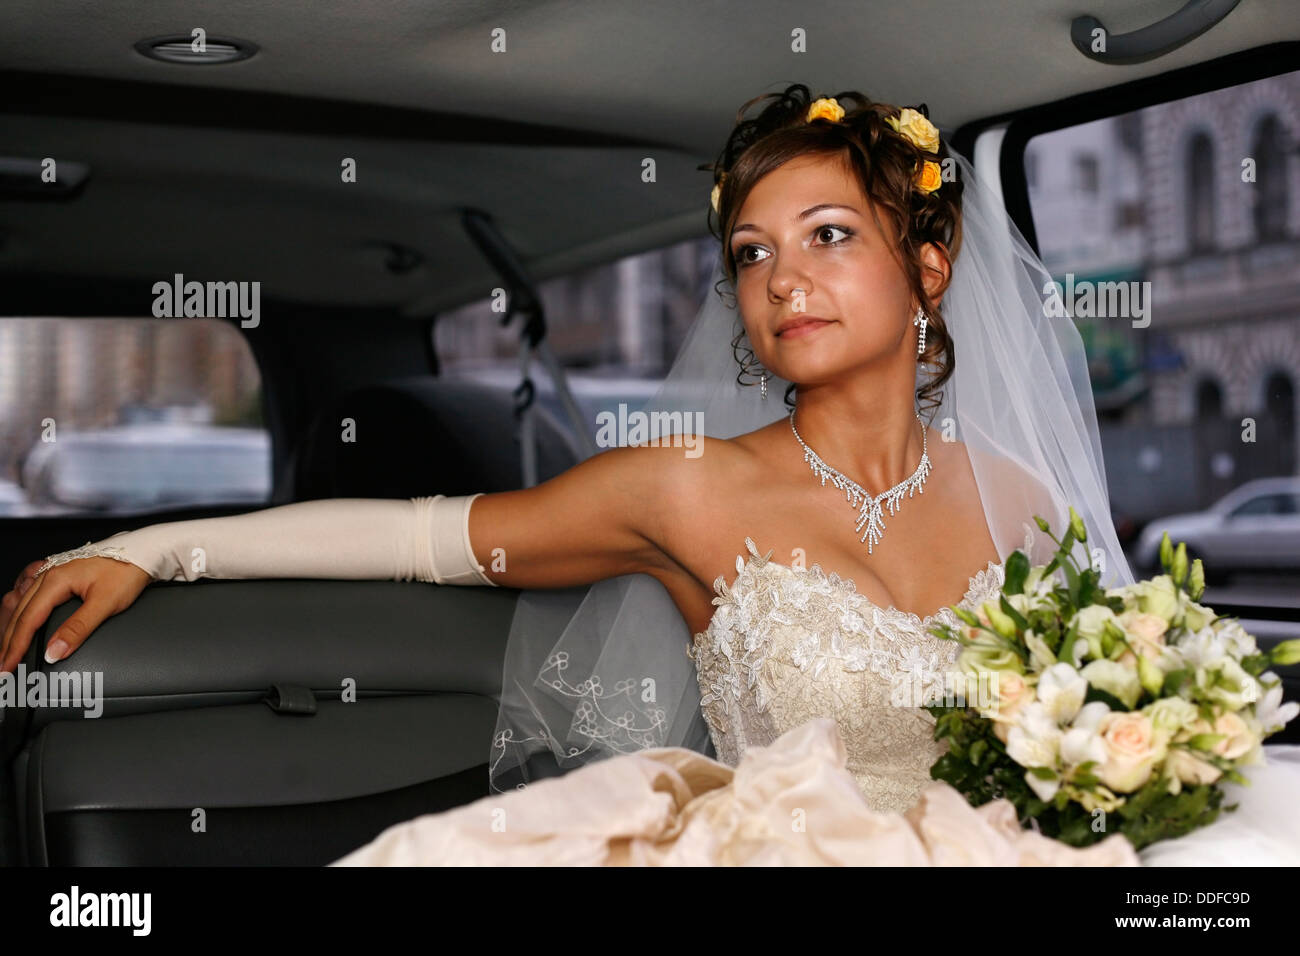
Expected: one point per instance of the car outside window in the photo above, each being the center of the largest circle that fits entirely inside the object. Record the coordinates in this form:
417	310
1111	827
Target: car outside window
109	415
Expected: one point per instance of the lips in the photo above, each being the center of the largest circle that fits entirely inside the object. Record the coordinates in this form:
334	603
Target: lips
800	325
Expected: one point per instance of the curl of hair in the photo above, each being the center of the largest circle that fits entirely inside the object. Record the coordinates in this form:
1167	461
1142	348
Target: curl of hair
884	164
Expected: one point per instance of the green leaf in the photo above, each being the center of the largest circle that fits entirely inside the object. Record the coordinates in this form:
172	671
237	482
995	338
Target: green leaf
1110	700
1009	609
1067	645
1017	570
1174	682
1255	664
1042	773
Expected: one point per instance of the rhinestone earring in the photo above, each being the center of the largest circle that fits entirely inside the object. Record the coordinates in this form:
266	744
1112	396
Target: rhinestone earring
762	385
922	320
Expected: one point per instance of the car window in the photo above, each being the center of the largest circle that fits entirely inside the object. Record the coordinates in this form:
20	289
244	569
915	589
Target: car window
1167	231
615	328
109	415
1263	505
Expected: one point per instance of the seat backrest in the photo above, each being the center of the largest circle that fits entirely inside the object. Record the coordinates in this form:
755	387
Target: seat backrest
422	436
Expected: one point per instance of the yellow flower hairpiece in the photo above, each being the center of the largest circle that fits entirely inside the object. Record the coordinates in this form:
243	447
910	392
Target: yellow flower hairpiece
825	108
717	192
913	126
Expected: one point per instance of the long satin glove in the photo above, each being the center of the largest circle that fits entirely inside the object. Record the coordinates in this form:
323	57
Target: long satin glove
422	539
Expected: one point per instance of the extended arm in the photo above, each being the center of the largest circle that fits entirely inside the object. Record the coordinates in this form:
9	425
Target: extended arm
422	539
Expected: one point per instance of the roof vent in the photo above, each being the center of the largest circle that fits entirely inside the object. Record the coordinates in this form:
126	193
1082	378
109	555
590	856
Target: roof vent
180	49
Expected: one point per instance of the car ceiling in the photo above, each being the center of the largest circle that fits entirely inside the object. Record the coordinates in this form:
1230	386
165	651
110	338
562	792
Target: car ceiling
232	172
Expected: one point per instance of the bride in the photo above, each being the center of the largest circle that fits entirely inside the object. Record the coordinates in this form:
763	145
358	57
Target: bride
887	407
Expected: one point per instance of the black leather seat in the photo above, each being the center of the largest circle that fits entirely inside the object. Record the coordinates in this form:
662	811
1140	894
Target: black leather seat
186	670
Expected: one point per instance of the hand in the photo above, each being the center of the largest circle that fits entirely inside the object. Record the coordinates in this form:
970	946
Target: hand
105	586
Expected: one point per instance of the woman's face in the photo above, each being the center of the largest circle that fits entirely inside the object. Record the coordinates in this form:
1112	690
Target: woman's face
808	225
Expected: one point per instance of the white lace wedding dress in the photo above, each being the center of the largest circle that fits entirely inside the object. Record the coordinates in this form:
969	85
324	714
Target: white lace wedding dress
800	678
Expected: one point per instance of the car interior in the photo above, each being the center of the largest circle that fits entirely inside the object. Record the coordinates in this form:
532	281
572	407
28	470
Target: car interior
374	166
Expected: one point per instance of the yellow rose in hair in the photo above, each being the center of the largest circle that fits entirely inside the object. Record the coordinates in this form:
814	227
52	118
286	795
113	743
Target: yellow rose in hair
914	125
826	108
929	178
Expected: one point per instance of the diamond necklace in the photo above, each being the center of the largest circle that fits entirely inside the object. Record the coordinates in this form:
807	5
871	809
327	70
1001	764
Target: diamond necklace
870	511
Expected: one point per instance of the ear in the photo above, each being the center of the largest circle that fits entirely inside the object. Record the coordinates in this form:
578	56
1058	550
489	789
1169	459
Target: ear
936	271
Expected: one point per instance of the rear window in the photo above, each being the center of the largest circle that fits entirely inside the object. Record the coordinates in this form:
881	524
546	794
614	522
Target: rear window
615	328
127	415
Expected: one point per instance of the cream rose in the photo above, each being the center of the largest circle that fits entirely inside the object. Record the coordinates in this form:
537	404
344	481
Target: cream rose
1011	692
1133	748
1189	768
1236	736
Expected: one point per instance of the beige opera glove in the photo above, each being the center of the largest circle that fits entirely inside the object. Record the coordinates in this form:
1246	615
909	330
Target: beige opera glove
422	539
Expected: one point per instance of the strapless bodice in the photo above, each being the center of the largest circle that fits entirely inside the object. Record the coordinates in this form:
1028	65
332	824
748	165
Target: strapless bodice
788	644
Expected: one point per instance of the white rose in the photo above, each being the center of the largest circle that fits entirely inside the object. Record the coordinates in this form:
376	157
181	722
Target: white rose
1115	679
1091	621
1158	596
1170	715
1229	685
1240	642
1203	649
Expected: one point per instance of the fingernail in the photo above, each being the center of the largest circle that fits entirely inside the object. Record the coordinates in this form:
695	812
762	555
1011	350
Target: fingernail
22	588
56	651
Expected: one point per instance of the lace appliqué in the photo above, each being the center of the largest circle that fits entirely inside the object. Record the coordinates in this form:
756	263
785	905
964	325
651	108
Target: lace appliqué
87	550
786	645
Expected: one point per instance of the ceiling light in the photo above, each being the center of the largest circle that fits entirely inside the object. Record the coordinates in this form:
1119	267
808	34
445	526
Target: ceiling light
180	49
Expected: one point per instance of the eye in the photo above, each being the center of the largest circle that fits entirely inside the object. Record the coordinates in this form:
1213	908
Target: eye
740	255
830	228
743	262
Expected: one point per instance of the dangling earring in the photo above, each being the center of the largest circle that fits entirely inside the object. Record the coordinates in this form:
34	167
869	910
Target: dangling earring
920	319
762	385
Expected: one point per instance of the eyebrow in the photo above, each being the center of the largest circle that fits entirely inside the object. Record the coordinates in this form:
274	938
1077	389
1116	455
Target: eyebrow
810	211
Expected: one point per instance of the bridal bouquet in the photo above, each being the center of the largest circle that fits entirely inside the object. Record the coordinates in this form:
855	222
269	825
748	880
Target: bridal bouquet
1095	709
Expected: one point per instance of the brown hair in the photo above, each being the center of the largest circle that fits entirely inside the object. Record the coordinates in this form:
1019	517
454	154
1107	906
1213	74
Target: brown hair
884	163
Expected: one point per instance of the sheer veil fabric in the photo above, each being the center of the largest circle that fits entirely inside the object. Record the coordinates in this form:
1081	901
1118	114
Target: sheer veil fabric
602	670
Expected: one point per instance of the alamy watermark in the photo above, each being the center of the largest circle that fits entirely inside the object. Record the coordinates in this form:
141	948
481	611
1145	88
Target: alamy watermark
74	689
210	300
1087	299
667	429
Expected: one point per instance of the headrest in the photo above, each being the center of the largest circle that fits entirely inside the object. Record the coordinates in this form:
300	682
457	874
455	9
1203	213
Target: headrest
423	436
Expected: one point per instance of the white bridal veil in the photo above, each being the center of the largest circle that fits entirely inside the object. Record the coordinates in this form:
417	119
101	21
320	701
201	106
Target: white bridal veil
597	671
